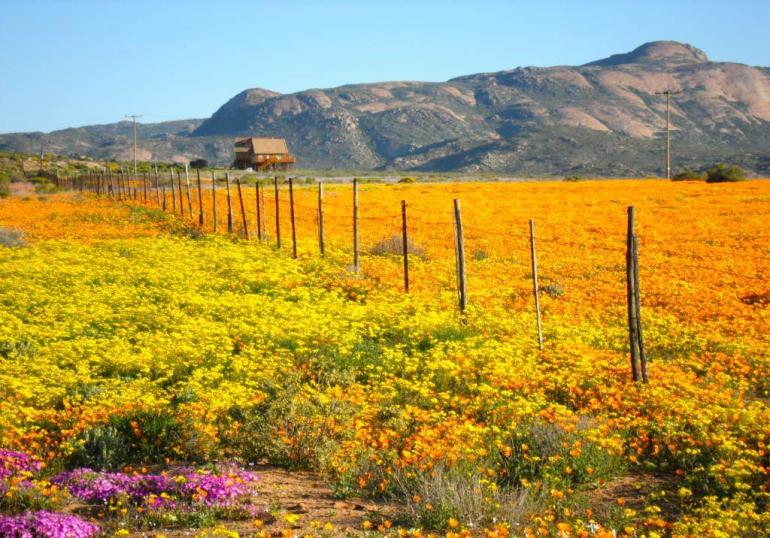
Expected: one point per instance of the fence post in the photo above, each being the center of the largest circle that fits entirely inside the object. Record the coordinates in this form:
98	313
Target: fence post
200	198
638	303
189	196
277	215
179	188
321	238
356	254
173	192
259	211
243	209
293	223
214	211
631	290
229	205
460	251
405	245
144	186
163	192
157	186
535	284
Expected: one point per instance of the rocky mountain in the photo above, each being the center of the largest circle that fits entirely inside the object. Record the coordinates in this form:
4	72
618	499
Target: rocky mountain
602	118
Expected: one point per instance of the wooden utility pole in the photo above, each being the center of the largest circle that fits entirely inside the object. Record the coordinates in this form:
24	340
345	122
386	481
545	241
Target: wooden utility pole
229	205
356	253
133	119
293	223
405	245
668	94
460	255
277	215
243	210
635	338
321	238
535	285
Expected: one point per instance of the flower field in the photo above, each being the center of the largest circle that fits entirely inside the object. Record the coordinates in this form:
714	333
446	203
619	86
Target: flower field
145	365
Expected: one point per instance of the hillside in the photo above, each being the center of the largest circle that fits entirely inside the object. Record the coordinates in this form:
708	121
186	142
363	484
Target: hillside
602	118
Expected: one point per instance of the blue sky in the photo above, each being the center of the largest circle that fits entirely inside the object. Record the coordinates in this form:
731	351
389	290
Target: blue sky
65	63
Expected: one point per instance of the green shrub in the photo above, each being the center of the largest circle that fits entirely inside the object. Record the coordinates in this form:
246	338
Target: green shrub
572	178
688	175
407	180
723	173
554	290
140	437
5	188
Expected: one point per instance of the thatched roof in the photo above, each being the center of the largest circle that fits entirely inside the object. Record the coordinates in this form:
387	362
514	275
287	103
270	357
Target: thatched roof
262	145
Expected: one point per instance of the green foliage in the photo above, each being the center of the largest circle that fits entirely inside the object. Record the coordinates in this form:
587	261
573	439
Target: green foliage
407	180
724	173
572	179
688	175
139	437
5	188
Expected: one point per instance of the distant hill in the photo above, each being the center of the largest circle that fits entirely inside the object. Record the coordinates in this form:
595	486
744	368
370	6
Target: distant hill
602	118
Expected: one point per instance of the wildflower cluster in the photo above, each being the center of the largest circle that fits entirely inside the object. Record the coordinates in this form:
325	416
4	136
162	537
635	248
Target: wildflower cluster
142	348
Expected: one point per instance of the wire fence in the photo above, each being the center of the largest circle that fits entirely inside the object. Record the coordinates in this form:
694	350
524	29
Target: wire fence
592	264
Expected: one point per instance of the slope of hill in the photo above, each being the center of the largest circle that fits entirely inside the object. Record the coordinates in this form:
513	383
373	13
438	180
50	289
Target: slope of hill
602	118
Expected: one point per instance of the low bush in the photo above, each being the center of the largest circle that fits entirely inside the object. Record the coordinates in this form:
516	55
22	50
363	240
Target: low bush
140	437
688	175
407	180
724	173
394	246
10	237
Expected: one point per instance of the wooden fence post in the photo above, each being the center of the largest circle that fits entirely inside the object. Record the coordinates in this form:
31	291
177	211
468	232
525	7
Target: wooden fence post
179	189
535	284
277	215
157	185
356	253
173	192
243	210
229	205
259	211
214	211
321	238
144	186
460	253
163	193
632	288
200	198
189	195
293	223
405	245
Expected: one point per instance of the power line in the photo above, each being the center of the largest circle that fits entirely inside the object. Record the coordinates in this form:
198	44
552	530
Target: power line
668	94
133	118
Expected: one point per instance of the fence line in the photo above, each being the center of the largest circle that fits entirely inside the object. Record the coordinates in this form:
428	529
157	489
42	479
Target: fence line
121	187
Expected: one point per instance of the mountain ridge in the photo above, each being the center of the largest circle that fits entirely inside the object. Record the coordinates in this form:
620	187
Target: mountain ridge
528	120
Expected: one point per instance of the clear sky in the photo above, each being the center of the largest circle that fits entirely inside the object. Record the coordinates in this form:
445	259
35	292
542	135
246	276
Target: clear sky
65	63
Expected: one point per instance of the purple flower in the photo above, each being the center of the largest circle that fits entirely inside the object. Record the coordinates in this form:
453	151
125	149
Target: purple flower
44	524
12	463
228	487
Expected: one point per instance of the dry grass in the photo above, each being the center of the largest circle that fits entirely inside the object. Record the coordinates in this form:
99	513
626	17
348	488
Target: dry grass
10	237
394	246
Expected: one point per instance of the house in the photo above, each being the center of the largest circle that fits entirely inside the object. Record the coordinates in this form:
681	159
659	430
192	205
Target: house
262	154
